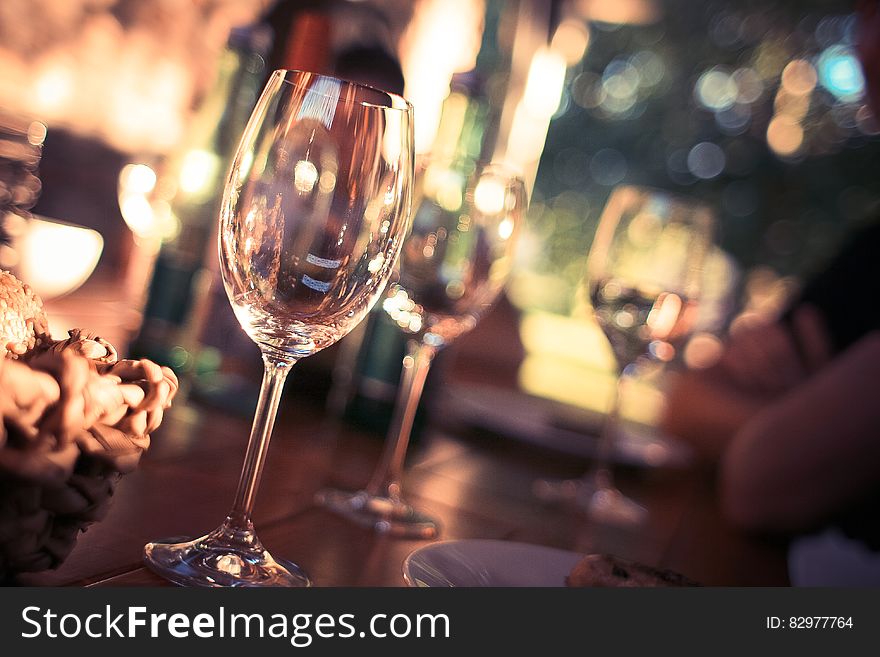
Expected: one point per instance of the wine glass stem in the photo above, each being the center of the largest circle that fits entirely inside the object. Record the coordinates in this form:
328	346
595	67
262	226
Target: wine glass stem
275	370
601	472
417	362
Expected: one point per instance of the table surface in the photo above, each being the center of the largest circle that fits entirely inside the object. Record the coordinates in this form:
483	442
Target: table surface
477	483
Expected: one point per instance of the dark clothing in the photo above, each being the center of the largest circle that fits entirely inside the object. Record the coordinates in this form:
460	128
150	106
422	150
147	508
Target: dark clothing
847	294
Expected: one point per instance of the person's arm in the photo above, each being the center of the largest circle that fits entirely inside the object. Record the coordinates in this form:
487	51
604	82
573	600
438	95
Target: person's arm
703	409
811	453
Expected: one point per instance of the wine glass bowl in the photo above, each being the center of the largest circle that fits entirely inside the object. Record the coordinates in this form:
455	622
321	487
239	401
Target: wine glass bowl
458	254
308	241
644	276
316	204
453	266
645	269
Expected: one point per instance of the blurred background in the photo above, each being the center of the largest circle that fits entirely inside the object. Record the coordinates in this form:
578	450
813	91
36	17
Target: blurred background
118	118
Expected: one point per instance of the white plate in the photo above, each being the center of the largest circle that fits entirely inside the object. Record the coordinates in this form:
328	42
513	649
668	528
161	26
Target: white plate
488	563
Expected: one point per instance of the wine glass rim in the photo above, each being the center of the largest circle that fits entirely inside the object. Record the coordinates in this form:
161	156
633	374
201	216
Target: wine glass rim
397	102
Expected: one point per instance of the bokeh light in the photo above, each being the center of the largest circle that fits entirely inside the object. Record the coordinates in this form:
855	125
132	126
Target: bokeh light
840	73
571	40
716	89
799	77
734	120
650	67
706	160
586	90
620	81
784	135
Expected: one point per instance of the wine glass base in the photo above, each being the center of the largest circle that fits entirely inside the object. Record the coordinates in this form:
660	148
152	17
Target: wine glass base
604	504
384	514
211	562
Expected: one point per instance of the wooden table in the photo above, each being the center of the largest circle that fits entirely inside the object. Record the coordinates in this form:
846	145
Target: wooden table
477	484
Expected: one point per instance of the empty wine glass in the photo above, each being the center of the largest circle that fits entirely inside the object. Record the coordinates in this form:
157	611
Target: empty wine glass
315	209
644	274
452	268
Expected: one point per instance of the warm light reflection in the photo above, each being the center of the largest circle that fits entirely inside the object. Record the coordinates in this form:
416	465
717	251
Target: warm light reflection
665	315
36	133
799	77
148	218
138	215
376	263
490	195
621	12
795	107
56	258
137	179
403	311
545	82
444	185
391	144
53	89
305	175
126	72
531	117
449	197
197	171
571	40
505	228
568	359
245	168
327	183
442	38
526	139
784	135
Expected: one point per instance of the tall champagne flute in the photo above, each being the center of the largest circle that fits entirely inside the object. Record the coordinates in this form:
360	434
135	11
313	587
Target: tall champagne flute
644	274
453	266
316	206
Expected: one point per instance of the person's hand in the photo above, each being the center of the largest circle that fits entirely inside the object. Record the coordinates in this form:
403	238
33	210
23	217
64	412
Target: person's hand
761	362
770	358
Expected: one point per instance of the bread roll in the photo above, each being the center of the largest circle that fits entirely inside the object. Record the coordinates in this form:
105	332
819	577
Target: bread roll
605	570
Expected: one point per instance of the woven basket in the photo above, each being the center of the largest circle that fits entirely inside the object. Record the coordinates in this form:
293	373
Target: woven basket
75	419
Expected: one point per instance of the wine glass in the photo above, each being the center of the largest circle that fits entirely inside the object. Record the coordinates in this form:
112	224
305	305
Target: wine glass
452	268
644	275
316	206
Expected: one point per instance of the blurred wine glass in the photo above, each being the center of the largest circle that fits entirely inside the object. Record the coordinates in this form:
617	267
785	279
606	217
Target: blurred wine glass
452	269
315	209
644	275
